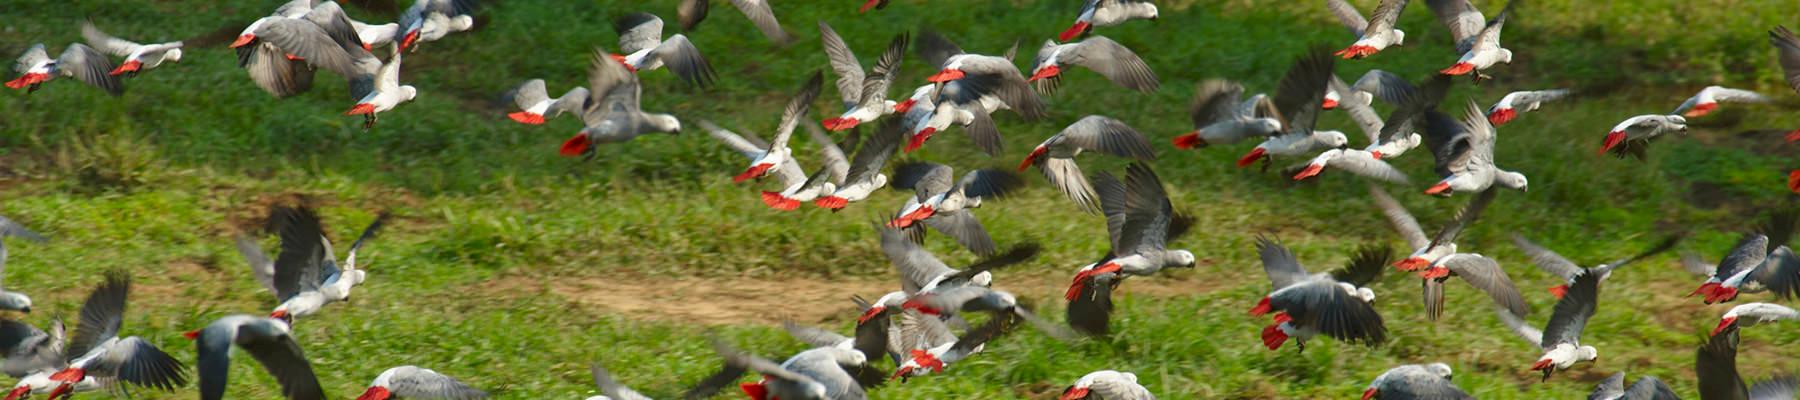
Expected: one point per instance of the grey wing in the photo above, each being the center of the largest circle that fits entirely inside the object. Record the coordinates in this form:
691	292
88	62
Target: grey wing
1384	85
1324	306
14	229
1789	49
1462	18
685	60
1148	212
1692	263
530	94
1650	388
107	43
141	363
1780	273
1750	252
610	86
1347	15
638	31
984	133
1215	100
733	141
1613	387
1284	270
1111	193
1301	91
812	336
1545	259
572	101
916	266
282	358
1485	274
1385	15
936	49
87	65
612	388
836	163
844	63
331	18
1363	114
1489	38
1572	312
1002	79
261	267
27	349
796	110
1449	142
966	229
1403	221
1715	367
1518	326
989	183
309	41
738	358
1465	217
1115	62
1777	388
32	56
1109	136
886	69
926	178
873	155
274	73
1540	96
424	383
1369	167
1065	174
102	314
1091	310
764	18
691	12
297	267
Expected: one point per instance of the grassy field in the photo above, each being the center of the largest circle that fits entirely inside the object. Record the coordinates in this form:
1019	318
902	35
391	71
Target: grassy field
513	268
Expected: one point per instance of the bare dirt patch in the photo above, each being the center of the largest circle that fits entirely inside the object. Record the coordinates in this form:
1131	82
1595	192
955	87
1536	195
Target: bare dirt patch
768	300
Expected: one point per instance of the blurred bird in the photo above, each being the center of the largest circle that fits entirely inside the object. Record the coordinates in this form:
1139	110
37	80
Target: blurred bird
613	113
1415	381
1055	157
691	12
1708	99
1561	337
1098	53
644	49
268	341
1632	137
1107	385
1106	13
1306	304
1373	35
411	382
864	95
535	104
35	67
138	57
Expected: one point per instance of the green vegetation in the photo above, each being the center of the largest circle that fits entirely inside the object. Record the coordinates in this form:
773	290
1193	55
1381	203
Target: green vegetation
501	247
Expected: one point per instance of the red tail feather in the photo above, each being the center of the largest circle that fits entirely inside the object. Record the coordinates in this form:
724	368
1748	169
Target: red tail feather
1262	307
360	109
1701	110
1273	337
1251	157
527	117
1073	31
1461	68
128	66
1189	141
1032	158
831	202
575	146
1502	116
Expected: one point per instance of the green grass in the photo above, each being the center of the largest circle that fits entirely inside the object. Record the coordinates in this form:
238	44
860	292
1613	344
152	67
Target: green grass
158	181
